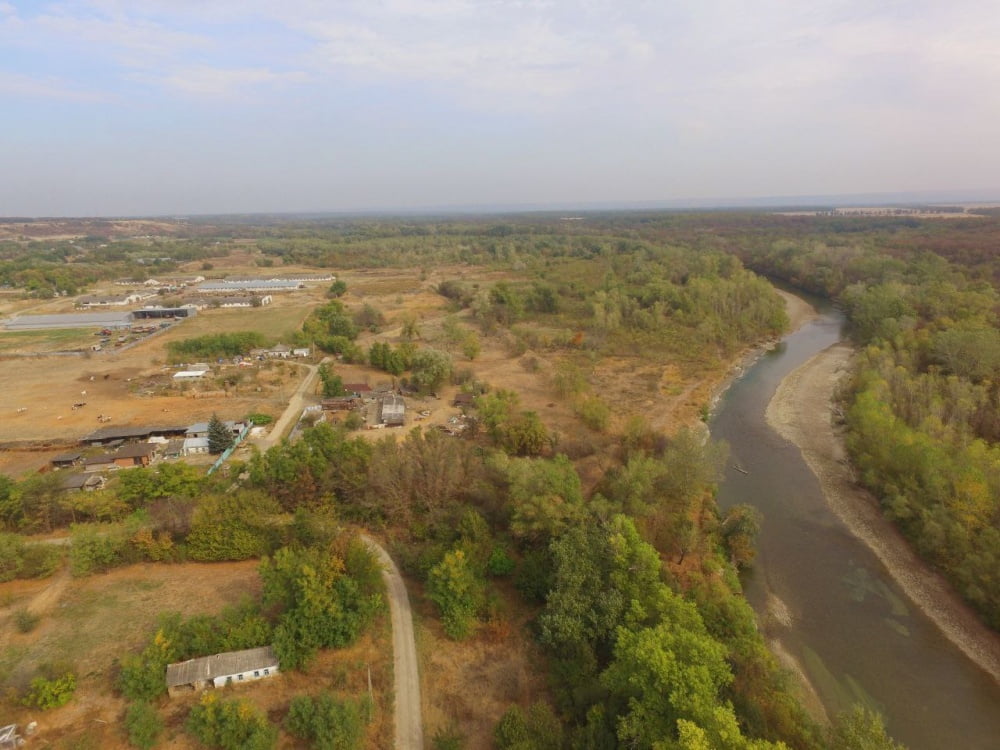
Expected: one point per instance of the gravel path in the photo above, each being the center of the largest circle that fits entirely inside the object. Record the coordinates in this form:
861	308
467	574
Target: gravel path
409	726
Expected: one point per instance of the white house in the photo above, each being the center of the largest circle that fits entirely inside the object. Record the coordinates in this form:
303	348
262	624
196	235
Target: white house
221	669
303	352
194	446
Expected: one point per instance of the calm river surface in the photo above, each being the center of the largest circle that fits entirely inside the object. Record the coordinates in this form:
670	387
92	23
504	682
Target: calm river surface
855	633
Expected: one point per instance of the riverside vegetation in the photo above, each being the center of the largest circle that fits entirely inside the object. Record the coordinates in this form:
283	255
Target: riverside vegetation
629	570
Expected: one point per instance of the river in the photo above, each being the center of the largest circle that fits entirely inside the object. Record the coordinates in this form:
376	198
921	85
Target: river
824	596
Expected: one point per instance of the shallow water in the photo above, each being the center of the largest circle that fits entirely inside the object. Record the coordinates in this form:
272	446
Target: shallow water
855	633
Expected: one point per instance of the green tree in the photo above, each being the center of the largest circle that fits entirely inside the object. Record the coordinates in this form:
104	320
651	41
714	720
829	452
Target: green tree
861	729
319	604
431	369
454	587
231	725
220	437
333	385
143	724
325	722
739	530
337	289
546	497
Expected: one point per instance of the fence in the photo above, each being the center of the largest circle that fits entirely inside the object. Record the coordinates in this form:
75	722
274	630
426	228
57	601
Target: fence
229	451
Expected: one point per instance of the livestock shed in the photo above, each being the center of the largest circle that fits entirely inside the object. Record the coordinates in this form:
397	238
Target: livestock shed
150	312
219	670
392	410
112	320
106	435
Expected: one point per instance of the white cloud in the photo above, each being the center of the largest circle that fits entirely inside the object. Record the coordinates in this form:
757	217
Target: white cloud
208	81
19	84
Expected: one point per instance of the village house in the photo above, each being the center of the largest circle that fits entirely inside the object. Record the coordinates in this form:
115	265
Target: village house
200	429
193	446
126	457
221	669
66	460
361	390
82	482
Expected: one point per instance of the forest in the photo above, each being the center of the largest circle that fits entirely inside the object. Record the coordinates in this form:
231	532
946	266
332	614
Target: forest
631	574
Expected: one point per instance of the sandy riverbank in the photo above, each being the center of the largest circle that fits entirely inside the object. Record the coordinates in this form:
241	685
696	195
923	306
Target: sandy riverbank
800	412
799	311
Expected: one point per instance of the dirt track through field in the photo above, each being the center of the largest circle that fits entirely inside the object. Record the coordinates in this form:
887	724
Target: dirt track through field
406	681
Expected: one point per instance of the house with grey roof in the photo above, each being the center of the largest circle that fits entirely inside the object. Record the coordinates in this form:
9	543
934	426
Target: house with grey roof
219	670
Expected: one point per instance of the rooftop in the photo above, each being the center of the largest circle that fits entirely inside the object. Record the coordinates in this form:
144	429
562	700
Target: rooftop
219	665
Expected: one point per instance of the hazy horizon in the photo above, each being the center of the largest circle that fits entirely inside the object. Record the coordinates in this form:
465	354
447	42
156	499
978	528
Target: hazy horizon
176	107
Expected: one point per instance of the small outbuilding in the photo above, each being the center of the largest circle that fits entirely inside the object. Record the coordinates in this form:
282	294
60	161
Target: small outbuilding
221	669
82	482
195	446
463	400
66	460
392	410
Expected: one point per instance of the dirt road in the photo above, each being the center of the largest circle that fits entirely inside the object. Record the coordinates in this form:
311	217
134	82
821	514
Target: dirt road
409	727
292	411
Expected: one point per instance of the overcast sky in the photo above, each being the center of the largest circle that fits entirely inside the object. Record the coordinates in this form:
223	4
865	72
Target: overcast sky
123	107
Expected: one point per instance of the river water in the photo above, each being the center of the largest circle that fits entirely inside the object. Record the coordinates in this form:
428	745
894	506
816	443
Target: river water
854	632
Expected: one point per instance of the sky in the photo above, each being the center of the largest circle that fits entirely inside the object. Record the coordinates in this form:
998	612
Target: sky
162	107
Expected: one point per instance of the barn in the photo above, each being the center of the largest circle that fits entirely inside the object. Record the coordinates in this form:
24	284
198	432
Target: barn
219	670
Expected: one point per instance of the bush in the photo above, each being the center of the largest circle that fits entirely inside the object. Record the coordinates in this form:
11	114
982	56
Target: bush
453	586
595	413
140	676
449	738
500	563
97	547
143	724
50	691
231	725
326	723
25	621
21	560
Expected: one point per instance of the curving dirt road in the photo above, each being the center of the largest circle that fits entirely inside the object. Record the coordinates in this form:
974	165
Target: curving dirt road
409	726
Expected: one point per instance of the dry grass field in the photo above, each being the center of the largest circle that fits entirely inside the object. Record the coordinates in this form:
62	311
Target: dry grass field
90	622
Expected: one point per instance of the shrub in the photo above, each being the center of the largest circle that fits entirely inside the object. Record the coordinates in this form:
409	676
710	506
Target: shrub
25	621
140	677
595	413
449	738
231	725
143	724
499	563
97	547
453	586
50	692
328	724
